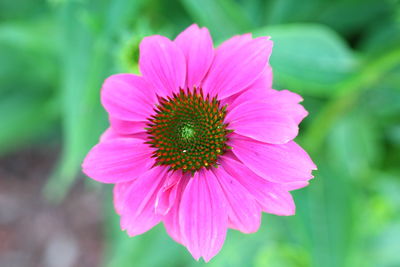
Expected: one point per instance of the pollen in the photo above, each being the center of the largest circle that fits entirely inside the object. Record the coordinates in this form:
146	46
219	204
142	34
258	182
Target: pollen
188	131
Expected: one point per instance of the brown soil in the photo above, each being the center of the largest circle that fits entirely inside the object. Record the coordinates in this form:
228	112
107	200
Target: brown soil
34	232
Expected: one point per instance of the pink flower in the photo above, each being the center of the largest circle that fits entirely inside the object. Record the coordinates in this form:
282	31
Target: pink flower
200	141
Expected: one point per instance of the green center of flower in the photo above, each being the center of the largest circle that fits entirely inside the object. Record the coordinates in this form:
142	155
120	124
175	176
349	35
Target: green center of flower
188	131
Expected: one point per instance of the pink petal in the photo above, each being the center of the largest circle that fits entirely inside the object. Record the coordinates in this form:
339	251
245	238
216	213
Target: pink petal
127	127
295	185
119	194
283	163
171	220
109	134
167	195
237	64
203	216
128	97
283	101
197	46
272	197
118	160
288	102
163	64
236	42
138	214
265	80
261	121
165	200
260	89
243	210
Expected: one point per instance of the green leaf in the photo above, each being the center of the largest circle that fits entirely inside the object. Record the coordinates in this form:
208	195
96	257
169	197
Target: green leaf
28	75
28	59
287	11
382	36
328	214
23	119
354	143
308	58
83	63
87	59
351	17
223	17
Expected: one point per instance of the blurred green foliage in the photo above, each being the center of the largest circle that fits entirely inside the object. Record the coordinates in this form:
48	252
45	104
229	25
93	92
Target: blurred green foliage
343	56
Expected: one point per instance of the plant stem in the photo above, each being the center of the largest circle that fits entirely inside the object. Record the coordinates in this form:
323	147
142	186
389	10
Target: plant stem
347	94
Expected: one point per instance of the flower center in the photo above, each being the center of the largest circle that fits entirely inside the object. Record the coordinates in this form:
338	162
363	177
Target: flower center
188	131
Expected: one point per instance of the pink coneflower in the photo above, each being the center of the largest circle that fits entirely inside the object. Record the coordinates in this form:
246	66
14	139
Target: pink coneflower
200	141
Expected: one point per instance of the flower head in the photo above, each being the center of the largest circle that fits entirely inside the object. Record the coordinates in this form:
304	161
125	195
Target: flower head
200	141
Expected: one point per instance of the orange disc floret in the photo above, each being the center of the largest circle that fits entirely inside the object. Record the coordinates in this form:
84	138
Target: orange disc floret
191	128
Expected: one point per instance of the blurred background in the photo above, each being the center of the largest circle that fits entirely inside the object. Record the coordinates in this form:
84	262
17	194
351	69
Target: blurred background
342	56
